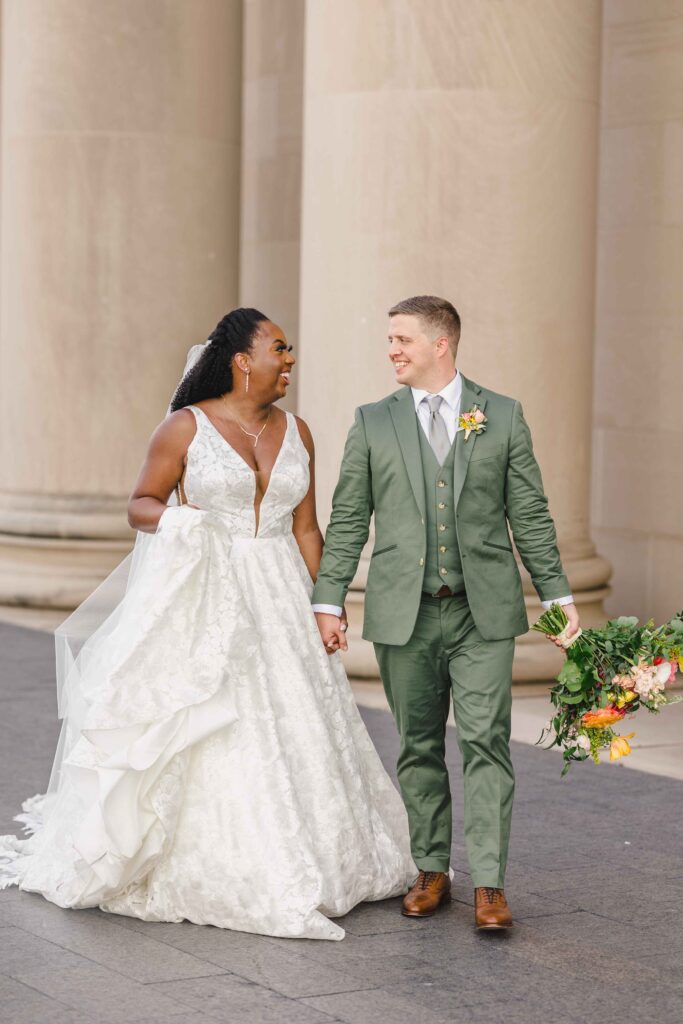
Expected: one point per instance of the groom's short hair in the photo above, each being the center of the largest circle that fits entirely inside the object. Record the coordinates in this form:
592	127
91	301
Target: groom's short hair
437	314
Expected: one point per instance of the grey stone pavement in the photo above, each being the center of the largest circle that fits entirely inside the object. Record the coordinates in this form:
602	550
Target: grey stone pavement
595	881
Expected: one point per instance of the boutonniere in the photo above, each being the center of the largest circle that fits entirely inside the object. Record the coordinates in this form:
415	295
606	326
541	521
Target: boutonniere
472	422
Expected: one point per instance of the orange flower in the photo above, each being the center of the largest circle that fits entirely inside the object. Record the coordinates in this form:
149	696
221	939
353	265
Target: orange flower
603	717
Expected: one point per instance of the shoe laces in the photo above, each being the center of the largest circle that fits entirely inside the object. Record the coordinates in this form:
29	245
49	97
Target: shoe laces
491	895
426	878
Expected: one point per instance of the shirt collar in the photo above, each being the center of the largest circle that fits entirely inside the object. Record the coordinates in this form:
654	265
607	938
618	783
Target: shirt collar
450	394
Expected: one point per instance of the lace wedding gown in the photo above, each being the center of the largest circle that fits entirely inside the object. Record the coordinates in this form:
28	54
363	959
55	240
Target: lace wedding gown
214	766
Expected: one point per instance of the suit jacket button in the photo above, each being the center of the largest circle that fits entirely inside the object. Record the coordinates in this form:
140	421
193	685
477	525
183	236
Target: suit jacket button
442	504
444	572
422	561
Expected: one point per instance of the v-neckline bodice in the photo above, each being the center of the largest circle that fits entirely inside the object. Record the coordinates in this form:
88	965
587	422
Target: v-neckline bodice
257	510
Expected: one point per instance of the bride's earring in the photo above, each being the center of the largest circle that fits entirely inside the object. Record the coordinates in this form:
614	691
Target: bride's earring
246	381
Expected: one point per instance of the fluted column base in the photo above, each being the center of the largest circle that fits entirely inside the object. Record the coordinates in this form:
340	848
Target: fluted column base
55	550
48	572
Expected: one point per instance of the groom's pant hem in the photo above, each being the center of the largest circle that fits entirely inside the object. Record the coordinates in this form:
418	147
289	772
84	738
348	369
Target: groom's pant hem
432	864
488	882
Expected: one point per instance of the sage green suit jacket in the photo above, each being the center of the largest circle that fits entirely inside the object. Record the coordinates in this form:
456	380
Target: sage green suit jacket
497	483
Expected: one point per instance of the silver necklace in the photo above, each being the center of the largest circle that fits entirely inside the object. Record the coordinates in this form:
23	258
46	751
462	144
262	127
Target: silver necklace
248	432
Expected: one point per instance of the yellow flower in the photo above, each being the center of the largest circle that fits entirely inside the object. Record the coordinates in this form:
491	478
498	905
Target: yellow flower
620	747
626	698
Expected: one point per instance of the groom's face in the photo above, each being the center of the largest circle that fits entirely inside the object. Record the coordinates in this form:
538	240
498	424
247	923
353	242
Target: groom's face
413	353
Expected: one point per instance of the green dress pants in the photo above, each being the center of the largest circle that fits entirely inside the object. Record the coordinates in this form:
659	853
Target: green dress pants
447	655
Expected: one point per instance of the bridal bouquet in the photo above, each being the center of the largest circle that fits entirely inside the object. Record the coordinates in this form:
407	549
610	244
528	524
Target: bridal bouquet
610	674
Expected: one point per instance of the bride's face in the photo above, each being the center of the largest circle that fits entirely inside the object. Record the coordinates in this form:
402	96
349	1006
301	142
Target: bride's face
271	360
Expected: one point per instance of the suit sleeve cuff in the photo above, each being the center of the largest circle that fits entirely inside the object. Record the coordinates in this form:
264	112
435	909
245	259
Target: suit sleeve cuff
328	609
558	600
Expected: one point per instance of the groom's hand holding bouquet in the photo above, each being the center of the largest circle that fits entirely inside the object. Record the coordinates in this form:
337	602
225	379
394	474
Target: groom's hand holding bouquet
570	630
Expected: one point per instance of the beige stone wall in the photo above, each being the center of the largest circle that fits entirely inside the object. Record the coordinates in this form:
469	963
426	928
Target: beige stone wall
272	135
637	491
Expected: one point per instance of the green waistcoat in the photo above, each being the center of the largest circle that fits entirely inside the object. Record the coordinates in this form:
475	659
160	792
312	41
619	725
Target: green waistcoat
442	557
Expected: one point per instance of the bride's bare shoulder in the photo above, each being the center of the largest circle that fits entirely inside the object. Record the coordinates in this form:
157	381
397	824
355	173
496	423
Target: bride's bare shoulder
175	432
305	434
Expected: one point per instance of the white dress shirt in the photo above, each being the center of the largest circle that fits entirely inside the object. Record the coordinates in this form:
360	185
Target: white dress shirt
450	411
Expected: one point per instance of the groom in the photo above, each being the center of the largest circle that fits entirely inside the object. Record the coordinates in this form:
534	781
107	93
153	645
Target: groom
444	600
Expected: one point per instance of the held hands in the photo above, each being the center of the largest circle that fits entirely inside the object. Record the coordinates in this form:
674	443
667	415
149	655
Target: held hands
572	614
332	631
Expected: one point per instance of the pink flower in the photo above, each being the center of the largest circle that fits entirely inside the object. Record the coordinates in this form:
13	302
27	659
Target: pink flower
649	680
479	416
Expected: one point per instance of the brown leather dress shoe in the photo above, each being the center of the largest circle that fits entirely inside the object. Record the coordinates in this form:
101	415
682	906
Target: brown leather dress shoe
431	890
491	910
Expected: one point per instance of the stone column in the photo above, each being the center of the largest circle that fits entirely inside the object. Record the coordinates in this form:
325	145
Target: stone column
638	414
272	126
118	250
451	148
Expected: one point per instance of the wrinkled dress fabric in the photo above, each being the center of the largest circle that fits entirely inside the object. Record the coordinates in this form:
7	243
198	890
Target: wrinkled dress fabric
214	765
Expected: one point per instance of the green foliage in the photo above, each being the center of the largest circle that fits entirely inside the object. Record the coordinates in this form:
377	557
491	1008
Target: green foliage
571	676
624	620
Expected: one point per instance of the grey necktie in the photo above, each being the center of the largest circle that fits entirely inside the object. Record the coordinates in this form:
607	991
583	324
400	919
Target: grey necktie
438	435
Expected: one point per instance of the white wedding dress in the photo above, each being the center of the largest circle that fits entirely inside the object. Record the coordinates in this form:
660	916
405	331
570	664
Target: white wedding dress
213	764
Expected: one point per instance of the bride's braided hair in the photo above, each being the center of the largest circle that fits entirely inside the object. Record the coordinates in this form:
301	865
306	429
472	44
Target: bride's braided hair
211	375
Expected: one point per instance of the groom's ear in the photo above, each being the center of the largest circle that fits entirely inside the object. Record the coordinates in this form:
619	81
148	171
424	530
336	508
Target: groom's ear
442	345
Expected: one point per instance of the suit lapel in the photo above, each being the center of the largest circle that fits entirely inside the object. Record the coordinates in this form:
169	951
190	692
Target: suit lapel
471	395
406	426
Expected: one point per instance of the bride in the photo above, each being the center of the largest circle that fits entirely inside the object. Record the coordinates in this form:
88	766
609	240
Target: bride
212	764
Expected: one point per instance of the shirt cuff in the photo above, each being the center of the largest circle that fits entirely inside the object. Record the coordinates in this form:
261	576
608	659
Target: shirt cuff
328	609
558	600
